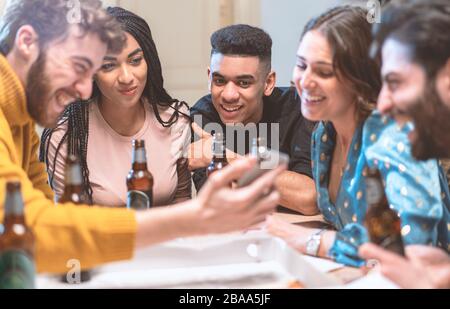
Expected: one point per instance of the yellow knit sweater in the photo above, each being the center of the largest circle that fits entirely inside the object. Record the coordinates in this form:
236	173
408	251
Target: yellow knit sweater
93	235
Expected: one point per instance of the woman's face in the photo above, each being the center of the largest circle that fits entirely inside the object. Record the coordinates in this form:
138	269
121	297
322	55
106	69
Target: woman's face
324	96
122	77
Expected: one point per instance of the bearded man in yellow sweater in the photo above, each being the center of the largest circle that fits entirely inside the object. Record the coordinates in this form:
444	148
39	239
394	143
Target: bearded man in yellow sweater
49	54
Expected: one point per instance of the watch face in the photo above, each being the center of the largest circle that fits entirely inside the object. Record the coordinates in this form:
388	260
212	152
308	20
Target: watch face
313	243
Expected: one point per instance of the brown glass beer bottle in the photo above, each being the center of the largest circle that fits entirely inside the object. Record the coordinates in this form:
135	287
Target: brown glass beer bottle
139	179
73	193
73	182
219	159
17	270
383	223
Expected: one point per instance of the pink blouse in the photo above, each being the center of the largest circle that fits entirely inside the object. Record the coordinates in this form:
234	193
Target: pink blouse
109	157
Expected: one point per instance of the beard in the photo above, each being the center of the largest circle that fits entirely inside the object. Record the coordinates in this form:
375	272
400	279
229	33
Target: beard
38	93
431	136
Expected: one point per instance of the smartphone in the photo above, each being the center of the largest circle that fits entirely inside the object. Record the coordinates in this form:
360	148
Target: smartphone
267	161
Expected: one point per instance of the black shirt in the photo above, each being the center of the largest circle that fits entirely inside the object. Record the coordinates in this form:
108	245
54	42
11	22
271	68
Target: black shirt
281	109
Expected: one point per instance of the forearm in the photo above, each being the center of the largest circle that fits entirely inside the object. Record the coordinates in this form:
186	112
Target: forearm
327	241
92	235
440	276
297	236
297	193
165	223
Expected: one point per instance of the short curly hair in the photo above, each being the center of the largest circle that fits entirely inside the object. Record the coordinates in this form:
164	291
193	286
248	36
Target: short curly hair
243	40
51	20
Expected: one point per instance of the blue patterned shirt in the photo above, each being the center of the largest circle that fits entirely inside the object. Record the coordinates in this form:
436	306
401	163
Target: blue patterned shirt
417	190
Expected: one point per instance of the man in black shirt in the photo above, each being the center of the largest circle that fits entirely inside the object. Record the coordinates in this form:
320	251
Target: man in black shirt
244	102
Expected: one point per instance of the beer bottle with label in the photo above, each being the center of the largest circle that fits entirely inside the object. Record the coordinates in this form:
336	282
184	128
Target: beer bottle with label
139	179
219	159
73	193
17	270
383	223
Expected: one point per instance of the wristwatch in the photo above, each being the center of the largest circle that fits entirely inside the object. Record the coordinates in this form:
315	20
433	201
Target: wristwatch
313	243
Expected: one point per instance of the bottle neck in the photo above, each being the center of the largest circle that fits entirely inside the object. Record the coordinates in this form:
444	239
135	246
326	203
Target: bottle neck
254	151
139	159
218	150
13	204
73	175
375	191
259	147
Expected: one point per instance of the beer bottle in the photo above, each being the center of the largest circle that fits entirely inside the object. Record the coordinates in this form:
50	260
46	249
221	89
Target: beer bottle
73	181
17	270
73	193
139	179
382	222
219	159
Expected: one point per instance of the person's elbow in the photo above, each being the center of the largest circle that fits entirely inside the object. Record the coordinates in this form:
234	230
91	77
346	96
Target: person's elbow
298	193
308	205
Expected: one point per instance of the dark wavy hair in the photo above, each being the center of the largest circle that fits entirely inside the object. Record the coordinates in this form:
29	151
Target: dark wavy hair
349	34
76	115
422	26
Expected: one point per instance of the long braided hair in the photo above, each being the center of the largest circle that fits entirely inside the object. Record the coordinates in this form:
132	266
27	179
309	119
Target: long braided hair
76	115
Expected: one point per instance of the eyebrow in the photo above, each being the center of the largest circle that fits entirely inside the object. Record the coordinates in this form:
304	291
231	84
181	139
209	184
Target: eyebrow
245	76
317	62
133	53
137	51
251	77
390	75
87	61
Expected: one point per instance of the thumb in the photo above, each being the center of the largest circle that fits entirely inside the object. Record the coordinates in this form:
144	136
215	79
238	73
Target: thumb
223	177
199	131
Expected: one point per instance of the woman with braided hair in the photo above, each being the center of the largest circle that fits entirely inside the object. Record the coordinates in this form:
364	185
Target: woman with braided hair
128	102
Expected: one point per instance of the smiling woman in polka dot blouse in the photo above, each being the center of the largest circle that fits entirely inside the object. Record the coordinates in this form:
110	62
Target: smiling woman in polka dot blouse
339	85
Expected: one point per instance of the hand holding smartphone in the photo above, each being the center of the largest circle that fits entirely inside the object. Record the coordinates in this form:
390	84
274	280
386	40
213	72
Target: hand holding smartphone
267	160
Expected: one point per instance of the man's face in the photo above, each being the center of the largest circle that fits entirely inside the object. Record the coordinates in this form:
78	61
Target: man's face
62	74
408	95
403	81
238	85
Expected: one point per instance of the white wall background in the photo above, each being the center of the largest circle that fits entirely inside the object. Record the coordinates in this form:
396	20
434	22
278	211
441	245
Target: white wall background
284	21
2	4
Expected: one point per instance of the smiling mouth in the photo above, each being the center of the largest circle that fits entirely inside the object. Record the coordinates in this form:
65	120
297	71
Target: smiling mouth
230	109
312	99
129	91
